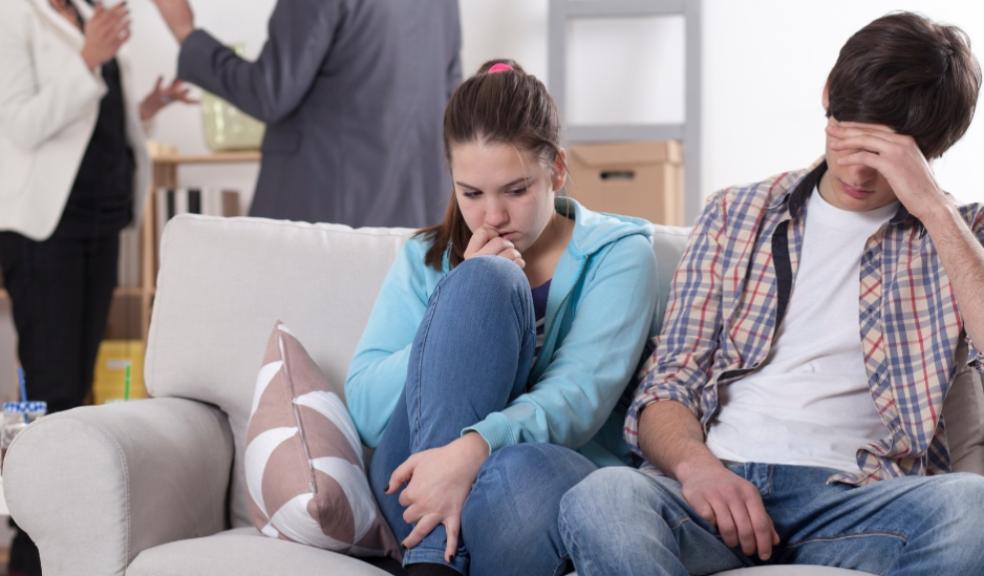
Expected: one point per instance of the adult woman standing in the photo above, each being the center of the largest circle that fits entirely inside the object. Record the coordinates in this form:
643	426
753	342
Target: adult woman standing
73	173
499	343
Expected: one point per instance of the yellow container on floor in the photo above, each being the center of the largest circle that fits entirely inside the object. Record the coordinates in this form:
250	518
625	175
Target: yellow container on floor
117	361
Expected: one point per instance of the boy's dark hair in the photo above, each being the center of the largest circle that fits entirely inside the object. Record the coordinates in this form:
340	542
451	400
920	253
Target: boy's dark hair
911	74
507	107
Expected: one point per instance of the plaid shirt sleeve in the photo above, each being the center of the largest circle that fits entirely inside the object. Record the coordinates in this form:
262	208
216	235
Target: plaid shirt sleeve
680	366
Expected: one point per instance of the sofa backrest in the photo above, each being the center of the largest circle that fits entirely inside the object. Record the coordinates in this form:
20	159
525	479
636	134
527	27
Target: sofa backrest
224	282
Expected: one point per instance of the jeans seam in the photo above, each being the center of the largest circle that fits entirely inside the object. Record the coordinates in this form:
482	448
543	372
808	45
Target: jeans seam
680	521
422	556
569	538
527	328
418	369
767	489
898	536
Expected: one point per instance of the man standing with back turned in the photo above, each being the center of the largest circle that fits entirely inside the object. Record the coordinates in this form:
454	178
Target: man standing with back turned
352	93
791	410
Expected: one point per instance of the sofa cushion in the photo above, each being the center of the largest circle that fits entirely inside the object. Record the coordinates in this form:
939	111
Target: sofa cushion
224	281
245	552
792	571
303	461
963	415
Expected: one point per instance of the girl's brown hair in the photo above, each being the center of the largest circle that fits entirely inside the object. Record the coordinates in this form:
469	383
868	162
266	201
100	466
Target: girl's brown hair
503	107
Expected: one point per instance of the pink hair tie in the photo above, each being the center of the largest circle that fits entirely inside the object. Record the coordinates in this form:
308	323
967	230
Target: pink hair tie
500	67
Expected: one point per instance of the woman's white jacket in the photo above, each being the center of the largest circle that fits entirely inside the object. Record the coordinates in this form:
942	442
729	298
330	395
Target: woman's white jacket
49	103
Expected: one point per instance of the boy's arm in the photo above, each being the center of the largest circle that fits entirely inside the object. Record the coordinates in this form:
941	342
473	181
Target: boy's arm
672	438
679	368
898	158
962	255
666	420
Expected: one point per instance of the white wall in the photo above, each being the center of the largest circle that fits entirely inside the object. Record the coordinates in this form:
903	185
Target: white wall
765	62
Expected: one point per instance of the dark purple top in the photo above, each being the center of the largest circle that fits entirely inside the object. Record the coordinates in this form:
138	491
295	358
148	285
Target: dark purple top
540	294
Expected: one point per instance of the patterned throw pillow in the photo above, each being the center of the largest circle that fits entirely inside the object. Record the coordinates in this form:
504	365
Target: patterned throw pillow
303	460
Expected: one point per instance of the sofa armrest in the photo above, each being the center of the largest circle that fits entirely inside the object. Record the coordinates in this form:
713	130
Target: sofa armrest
96	485
963	414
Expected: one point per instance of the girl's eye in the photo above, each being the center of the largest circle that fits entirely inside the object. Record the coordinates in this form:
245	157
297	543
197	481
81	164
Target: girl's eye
519	191
471	194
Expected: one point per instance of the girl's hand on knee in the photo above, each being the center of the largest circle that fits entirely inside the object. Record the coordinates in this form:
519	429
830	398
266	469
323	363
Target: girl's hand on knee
437	483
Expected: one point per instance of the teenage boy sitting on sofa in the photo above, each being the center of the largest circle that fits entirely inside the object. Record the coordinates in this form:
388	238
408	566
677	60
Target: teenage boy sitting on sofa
791	410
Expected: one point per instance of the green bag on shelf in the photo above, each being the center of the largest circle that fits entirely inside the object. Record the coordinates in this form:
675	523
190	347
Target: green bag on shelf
228	128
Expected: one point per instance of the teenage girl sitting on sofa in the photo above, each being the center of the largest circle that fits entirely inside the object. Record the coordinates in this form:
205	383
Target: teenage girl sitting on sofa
499	343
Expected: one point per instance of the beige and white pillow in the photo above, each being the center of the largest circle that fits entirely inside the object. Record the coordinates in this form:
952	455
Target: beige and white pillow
303	461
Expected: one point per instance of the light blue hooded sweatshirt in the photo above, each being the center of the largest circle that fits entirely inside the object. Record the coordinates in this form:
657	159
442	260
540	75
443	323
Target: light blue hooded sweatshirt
600	310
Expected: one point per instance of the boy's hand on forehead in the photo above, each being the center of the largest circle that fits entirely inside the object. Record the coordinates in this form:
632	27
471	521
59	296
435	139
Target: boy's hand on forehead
895	156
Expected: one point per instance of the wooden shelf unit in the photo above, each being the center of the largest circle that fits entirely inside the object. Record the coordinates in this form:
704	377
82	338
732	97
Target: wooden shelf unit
165	164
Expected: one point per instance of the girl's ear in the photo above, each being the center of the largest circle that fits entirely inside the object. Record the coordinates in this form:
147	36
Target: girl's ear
558	172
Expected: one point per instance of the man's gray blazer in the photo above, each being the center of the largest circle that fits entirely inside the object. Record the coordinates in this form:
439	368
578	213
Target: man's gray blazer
353	95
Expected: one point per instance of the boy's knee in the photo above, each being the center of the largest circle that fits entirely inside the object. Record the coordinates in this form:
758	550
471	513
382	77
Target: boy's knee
953	516
604	492
960	500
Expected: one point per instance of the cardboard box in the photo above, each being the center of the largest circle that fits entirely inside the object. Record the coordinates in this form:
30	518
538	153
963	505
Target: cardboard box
642	179
110	377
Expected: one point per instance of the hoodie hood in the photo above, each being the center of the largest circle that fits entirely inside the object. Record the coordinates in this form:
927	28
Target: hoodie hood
595	230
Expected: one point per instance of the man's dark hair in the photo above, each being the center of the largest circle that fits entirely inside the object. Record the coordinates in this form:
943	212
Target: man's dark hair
911	74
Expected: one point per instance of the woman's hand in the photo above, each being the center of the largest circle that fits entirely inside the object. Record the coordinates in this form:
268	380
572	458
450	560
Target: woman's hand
160	97
438	482
487	242
105	32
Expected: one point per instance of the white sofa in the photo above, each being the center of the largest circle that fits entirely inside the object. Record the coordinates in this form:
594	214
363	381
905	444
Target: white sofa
155	487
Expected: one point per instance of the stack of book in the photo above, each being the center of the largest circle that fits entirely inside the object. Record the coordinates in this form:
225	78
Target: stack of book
207	201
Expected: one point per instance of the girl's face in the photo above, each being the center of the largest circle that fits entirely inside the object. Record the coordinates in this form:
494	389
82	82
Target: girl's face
507	190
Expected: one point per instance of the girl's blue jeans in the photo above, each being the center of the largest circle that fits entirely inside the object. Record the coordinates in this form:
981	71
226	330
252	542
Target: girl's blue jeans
472	354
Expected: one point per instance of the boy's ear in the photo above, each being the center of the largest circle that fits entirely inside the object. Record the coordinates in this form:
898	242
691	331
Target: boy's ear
825	97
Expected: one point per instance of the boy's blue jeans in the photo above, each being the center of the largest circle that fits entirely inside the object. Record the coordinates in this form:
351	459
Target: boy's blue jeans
472	354
625	521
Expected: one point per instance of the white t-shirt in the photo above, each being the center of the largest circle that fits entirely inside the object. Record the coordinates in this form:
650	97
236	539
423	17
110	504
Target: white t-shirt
810	403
